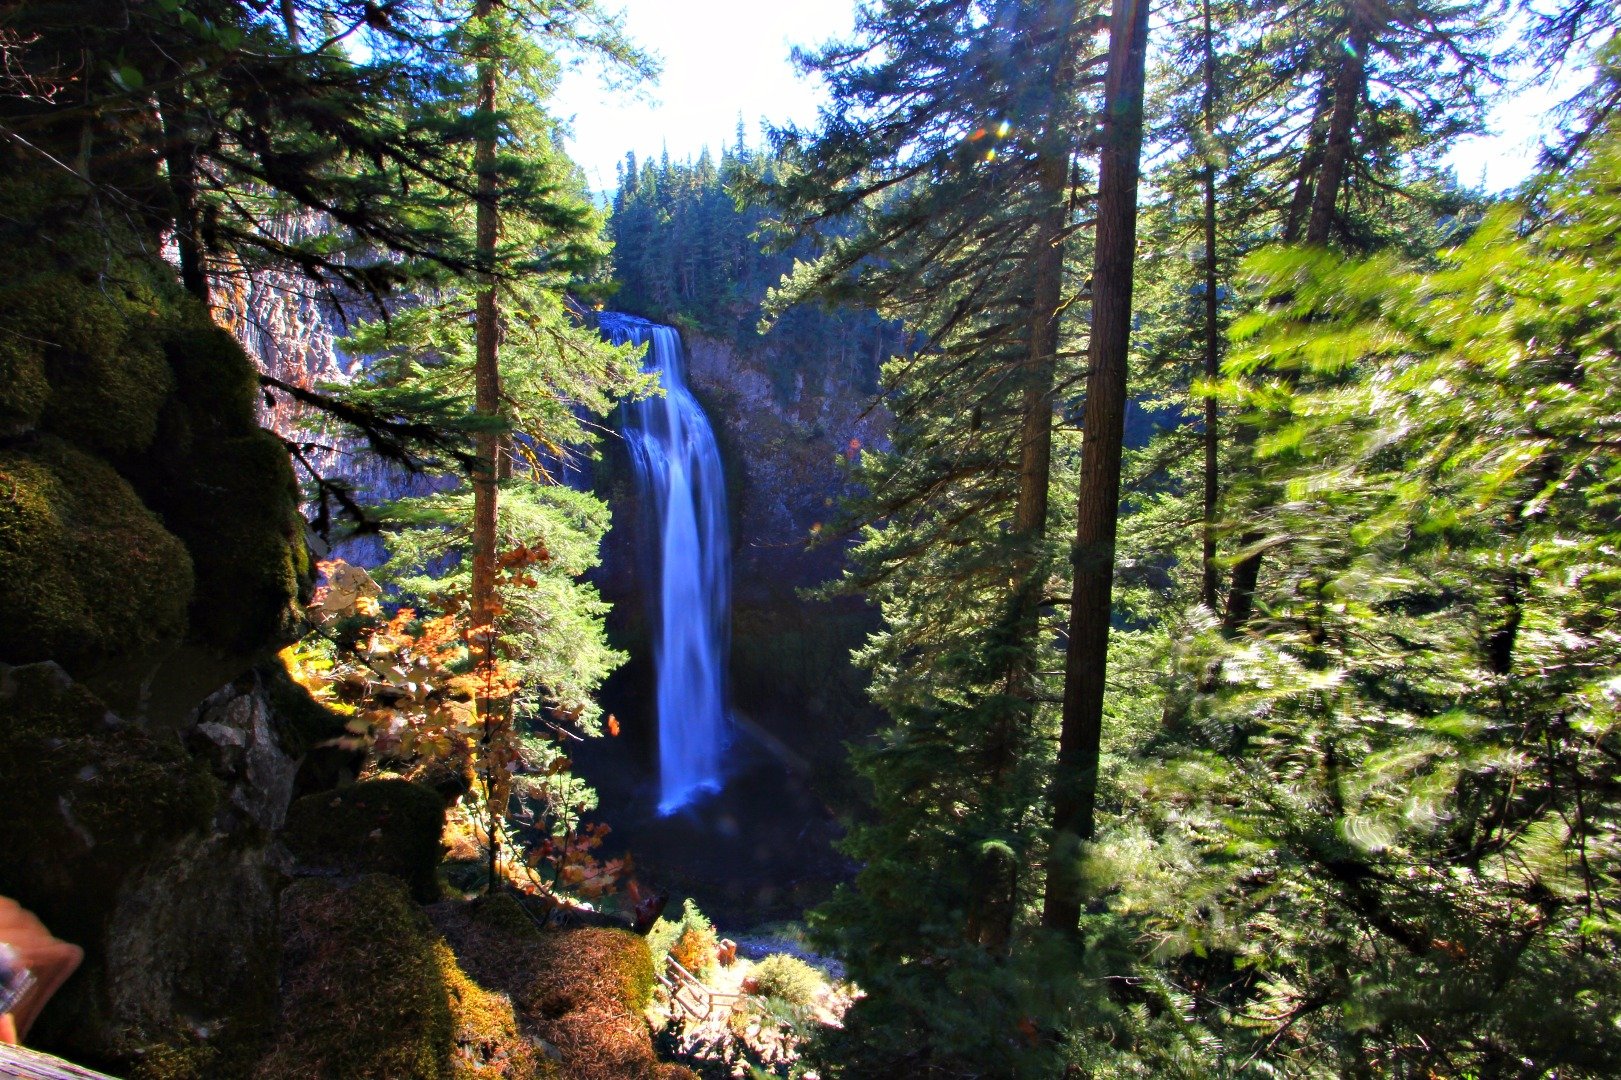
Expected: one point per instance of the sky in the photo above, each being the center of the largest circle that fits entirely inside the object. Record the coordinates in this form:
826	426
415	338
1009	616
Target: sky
729	58
722	59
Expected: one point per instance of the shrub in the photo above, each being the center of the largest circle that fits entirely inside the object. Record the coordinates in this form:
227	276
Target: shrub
695	949
690	939
788	979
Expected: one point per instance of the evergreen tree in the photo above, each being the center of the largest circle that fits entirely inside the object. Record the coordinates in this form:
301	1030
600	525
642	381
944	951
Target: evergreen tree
1394	813
534	366
1075	780
942	186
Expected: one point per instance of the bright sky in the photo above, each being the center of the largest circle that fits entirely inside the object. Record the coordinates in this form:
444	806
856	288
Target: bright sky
723	58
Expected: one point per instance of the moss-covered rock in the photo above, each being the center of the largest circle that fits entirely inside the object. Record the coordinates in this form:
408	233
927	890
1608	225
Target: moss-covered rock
582	990
91	574
215	380
89	801
302	722
369	990
85	796
233	502
504	913
24	390
489	1043
93	326
375	826
363	993
192	948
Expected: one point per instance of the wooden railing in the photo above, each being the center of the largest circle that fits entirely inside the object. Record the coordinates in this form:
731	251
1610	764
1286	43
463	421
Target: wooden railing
689	993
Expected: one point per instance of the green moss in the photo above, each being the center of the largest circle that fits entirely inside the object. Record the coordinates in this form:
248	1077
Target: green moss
363	989
215	380
90	573
234	503
185	1058
612	967
302	723
375	826
85	798
24	390
504	913
489	1044
94	320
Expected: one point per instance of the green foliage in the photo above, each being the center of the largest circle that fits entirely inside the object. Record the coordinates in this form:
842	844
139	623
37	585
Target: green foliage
552	630
787	978
1373	828
691	939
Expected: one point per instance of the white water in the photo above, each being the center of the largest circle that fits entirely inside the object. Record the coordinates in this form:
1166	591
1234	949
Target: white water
678	474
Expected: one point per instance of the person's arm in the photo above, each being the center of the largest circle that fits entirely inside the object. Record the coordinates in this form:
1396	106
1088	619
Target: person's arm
46	964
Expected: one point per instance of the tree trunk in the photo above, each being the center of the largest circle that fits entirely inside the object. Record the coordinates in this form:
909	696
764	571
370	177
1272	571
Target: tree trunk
1212	333
180	161
997	903
289	19
487	403
1311	159
1098	506
1337	148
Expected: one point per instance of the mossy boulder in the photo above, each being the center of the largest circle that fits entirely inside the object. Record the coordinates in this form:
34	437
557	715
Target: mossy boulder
369	990
110	370
363	995
375	826
91	573
90	326
504	913
24	390
489	1041
86	797
194	942
581	990
89	802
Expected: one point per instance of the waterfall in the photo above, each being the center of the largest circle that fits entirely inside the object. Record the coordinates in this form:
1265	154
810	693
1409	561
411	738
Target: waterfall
678	475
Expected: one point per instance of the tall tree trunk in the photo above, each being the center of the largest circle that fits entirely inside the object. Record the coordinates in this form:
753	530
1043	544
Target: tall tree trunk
487	402
1212	333
997	903
1337	147
289	19
1075	779
1311	159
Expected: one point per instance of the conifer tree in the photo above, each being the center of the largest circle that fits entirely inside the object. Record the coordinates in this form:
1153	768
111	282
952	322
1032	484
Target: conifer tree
942	181
1075	779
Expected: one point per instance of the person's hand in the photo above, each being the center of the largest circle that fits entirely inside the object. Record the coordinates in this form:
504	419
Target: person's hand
46	963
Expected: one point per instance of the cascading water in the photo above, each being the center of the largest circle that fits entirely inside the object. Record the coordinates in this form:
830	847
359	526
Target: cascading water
678	474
